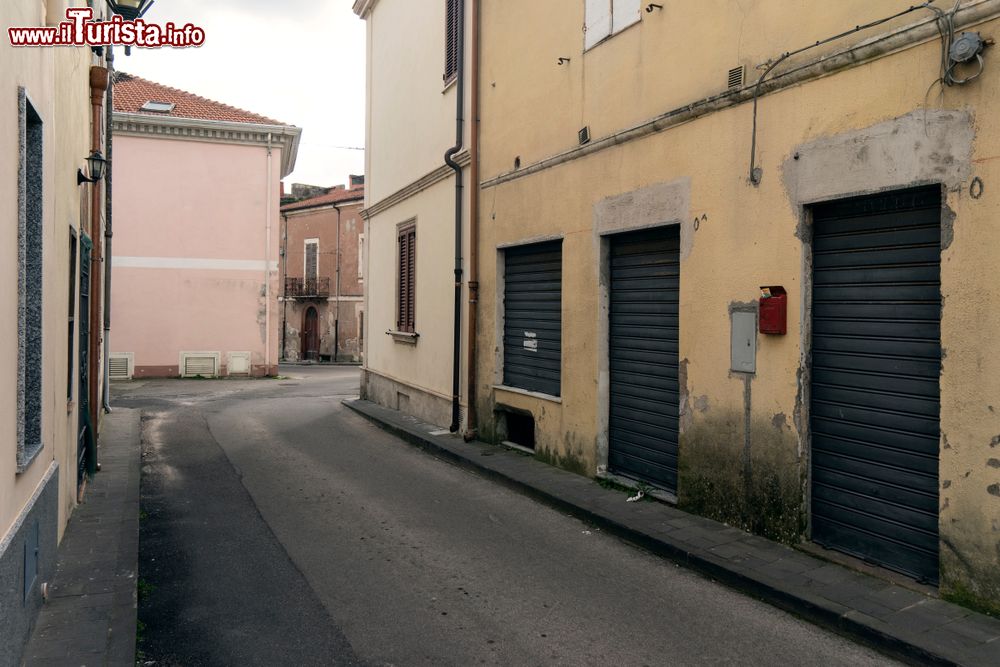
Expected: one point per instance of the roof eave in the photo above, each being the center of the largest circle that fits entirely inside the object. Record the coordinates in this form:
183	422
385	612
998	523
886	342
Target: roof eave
223	131
298	208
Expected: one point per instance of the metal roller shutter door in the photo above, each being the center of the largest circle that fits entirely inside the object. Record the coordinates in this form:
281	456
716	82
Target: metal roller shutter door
643	356
533	317
876	362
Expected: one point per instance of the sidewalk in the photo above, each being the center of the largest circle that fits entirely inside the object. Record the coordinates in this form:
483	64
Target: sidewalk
90	616
893	619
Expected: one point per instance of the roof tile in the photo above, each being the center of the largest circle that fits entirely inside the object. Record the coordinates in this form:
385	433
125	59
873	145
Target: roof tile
132	92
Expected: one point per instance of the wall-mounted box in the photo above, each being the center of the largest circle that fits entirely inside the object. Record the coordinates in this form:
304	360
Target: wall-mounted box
744	342
773	310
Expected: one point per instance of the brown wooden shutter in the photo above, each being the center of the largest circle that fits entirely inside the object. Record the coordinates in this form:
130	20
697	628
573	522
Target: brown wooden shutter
451	39
311	256
407	279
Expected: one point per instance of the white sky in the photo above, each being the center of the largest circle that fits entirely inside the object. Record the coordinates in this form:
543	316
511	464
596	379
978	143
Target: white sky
301	62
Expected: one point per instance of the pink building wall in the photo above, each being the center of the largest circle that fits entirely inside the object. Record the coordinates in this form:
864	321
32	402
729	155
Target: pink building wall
191	253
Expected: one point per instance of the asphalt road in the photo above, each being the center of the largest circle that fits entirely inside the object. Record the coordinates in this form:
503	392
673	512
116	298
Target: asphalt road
279	528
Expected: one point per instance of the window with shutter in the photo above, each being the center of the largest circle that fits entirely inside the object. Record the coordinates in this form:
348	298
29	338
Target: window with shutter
407	240
607	17
312	256
30	204
451	46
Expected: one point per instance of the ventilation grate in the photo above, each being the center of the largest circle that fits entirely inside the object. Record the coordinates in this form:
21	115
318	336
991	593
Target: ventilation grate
203	365
120	367
736	77
239	363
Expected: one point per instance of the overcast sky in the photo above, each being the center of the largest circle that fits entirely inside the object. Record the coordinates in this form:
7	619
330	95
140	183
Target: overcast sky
301	62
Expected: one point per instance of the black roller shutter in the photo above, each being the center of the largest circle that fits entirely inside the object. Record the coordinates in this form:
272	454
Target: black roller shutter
876	363
533	317
643	356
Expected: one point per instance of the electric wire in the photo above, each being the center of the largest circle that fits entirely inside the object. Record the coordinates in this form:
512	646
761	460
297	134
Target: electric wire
945	20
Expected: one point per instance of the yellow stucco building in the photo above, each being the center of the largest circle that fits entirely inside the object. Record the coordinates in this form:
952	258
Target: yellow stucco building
51	119
738	253
639	210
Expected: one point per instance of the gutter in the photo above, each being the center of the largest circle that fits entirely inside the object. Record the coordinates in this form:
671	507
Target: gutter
108	168
99	84
471	420
449	159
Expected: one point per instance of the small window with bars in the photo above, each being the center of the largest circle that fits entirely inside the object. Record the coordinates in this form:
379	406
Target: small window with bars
453	9
407	241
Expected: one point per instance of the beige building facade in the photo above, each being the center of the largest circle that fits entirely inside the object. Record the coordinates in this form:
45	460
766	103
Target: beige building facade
647	213
410	209
52	118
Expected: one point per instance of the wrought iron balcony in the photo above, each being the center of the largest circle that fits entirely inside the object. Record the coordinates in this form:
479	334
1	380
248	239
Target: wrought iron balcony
307	288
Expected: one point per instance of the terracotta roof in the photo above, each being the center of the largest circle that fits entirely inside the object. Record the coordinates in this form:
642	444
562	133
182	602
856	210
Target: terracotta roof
132	92
331	197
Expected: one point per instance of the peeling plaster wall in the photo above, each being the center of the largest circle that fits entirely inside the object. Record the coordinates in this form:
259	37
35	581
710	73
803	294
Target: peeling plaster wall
744	443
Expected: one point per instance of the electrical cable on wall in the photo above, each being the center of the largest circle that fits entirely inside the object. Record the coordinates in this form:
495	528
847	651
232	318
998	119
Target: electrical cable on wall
954	52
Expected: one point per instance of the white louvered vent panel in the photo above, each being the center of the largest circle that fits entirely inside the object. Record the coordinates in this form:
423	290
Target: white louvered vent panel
203	365
120	366
239	363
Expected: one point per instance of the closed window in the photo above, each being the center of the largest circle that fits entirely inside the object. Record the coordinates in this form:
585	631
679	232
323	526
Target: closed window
407	241
532	344
607	17
361	257
451	46
29	276
312	260
72	312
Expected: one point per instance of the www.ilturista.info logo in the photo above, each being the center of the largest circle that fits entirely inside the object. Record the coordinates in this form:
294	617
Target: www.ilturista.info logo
80	30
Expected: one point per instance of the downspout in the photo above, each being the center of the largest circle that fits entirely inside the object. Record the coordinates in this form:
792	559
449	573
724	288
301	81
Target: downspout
471	421
108	117
267	267
98	86
336	317
449	159
284	288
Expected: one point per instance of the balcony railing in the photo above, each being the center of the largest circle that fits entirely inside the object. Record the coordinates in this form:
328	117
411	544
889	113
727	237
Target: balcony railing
307	288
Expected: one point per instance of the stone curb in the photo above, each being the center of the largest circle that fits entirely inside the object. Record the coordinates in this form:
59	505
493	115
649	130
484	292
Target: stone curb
894	635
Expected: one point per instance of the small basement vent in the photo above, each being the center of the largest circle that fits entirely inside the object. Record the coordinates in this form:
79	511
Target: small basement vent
239	363
736	77
120	365
203	364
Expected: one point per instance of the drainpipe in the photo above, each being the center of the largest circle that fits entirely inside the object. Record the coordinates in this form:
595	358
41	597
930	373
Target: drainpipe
98	86
108	117
336	317
284	288
471	421
267	267
449	159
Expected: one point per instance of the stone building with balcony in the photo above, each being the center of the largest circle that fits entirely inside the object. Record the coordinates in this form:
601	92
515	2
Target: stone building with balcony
322	303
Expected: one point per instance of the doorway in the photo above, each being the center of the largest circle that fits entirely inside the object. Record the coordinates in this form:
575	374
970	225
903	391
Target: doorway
876	365
643	356
310	334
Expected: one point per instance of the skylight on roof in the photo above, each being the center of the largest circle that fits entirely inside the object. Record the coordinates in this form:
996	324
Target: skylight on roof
158	107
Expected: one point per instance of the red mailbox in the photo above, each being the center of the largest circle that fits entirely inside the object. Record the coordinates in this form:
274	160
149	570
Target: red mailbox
773	310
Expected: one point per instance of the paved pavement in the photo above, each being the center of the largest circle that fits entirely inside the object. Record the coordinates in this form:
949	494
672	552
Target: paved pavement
90	617
281	528
886	611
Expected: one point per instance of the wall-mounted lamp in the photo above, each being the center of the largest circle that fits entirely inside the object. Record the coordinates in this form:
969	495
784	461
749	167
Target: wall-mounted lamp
95	165
562	61
130	10
651	6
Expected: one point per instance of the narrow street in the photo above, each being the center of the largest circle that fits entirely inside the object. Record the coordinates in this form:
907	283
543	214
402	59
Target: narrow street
278	527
